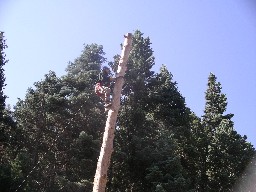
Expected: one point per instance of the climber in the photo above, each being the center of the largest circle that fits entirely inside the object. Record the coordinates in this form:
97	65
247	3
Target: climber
102	87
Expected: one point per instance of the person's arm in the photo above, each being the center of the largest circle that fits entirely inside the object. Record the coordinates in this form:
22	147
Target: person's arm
112	78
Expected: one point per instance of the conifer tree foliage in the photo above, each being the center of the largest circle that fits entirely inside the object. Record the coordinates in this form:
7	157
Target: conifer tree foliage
132	124
82	75
168	105
224	153
62	121
169	108
40	116
145	146
160	145
9	167
3	61
2	83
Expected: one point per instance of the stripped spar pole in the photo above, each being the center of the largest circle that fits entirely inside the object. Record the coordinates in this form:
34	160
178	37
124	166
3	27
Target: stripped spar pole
100	178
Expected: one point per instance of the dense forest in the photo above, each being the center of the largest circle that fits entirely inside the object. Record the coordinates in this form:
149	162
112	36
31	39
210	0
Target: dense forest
50	141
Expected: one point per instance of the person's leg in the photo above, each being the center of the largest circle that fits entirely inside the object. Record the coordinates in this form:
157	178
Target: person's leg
107	94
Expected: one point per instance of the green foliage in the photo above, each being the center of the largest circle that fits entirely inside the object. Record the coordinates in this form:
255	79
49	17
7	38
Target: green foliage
60	121
91	59
222	153
147	142
3	61
160	145
84	150
10	172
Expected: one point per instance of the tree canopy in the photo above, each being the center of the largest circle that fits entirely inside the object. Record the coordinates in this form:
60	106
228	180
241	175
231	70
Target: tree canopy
51	140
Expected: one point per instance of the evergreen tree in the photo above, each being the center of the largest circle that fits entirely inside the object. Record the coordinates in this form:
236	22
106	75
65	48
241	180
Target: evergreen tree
81	78
3	61
225	153
144	145
9	166
197	160
87	111
160	145
62	120
169	109
134	130
40	116
168	106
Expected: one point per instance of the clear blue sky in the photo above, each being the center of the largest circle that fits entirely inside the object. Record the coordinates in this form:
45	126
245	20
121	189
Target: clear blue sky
192	37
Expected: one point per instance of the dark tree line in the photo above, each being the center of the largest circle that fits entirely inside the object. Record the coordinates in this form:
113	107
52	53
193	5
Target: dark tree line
51	140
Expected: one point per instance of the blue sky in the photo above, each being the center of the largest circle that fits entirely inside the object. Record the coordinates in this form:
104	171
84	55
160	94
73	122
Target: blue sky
191	37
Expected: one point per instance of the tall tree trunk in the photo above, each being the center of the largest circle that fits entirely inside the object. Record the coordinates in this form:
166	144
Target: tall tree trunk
100	178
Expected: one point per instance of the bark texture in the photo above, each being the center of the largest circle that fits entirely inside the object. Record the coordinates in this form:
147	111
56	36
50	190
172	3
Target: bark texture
100	178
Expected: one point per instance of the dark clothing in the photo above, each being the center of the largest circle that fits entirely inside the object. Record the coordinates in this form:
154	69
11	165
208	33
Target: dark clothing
104	79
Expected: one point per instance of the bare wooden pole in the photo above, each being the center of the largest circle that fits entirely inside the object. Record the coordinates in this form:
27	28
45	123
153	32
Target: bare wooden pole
100	178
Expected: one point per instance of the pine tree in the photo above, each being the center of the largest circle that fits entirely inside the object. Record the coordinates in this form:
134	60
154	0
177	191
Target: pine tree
87	119
3	61
144	145
160	145
169	110
82	75
224	153
9	135
128	165
58	117
38	116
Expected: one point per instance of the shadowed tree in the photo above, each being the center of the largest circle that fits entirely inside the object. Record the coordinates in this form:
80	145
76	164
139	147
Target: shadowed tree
59	117
145	144
159	144
224	153
9	135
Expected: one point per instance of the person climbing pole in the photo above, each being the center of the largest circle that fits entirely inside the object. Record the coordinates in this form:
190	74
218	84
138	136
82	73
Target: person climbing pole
102	87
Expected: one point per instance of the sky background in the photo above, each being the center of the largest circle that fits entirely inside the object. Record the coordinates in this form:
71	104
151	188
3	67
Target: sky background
191	37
